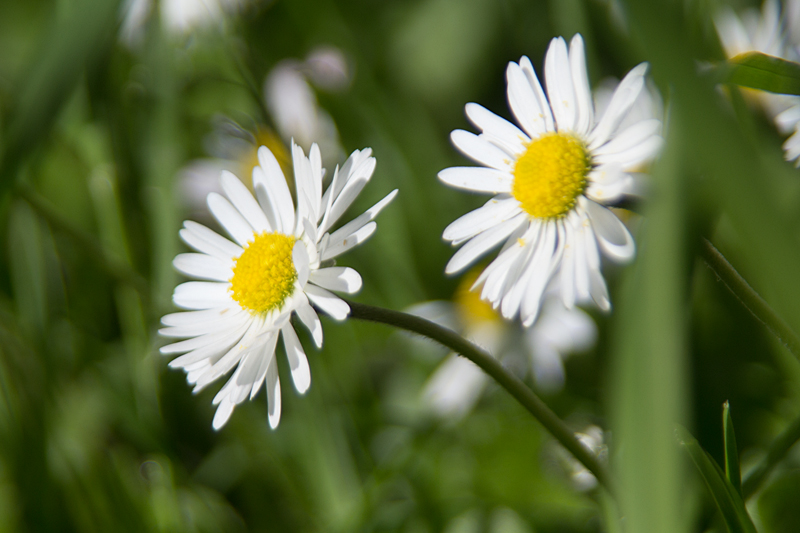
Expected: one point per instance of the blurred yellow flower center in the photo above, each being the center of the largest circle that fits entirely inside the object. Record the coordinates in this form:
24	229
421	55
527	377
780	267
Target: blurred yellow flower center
264	275
249	159
550	175
471	309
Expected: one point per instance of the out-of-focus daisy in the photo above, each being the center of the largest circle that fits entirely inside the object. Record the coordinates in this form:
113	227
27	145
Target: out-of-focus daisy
551	180
297	117
769	31
592	438
236	150
456	385
293	105
279	263
177	16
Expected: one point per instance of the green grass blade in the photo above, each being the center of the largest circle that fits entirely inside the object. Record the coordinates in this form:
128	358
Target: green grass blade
765	72
728	501
732	470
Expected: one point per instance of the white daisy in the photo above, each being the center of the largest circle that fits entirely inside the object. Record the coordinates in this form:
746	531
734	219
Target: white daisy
551	179
774	32
279	264
456	385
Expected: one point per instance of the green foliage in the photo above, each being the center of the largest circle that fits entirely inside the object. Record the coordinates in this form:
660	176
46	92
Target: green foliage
725	495
764	72
98	434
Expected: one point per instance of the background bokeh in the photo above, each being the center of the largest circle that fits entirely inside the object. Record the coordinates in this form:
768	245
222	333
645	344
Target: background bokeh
97	434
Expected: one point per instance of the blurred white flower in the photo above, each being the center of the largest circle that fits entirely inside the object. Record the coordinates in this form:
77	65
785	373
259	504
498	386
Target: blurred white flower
456	385
297	117
234	149
592	438
774	32
178	17
293	106
328	68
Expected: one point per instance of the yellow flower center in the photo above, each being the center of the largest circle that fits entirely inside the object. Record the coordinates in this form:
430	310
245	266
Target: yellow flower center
471	308
550	175
264	275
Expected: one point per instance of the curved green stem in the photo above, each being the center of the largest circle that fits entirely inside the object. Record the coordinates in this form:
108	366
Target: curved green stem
491	366
752	301
777	451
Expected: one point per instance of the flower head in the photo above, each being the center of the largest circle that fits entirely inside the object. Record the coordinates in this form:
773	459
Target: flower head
551	179
278	264
776	32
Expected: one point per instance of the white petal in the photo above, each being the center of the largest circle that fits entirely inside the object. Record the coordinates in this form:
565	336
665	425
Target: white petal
200	317
209	351
608	182
276	189
244	202
301	263
224	411
268	353
624	97
482	243
481	151
221	322
558	80
340	246
233	356
273	394
353	184
630	137
523	101
203	266
638	154
331	304
230	219
210	242
310	320
583	93
497	129
612	235
518	279
542	266
478	179
341	279
489	215
360	221
201	295
305	188
298	363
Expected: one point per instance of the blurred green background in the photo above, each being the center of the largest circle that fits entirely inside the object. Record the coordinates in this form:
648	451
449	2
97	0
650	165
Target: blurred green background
97	434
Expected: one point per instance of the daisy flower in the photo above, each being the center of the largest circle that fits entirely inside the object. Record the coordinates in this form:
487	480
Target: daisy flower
774	32
456	385
551	179
278	264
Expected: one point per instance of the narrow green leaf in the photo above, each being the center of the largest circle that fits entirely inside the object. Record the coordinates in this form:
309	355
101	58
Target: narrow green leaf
765	72
732	470
728	501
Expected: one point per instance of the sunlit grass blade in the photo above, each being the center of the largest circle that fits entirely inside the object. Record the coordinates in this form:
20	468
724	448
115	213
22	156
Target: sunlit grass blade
765	72
727	499
732	470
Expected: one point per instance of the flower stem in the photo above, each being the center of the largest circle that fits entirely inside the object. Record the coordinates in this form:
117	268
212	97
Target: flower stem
751	300
491	366
777	451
